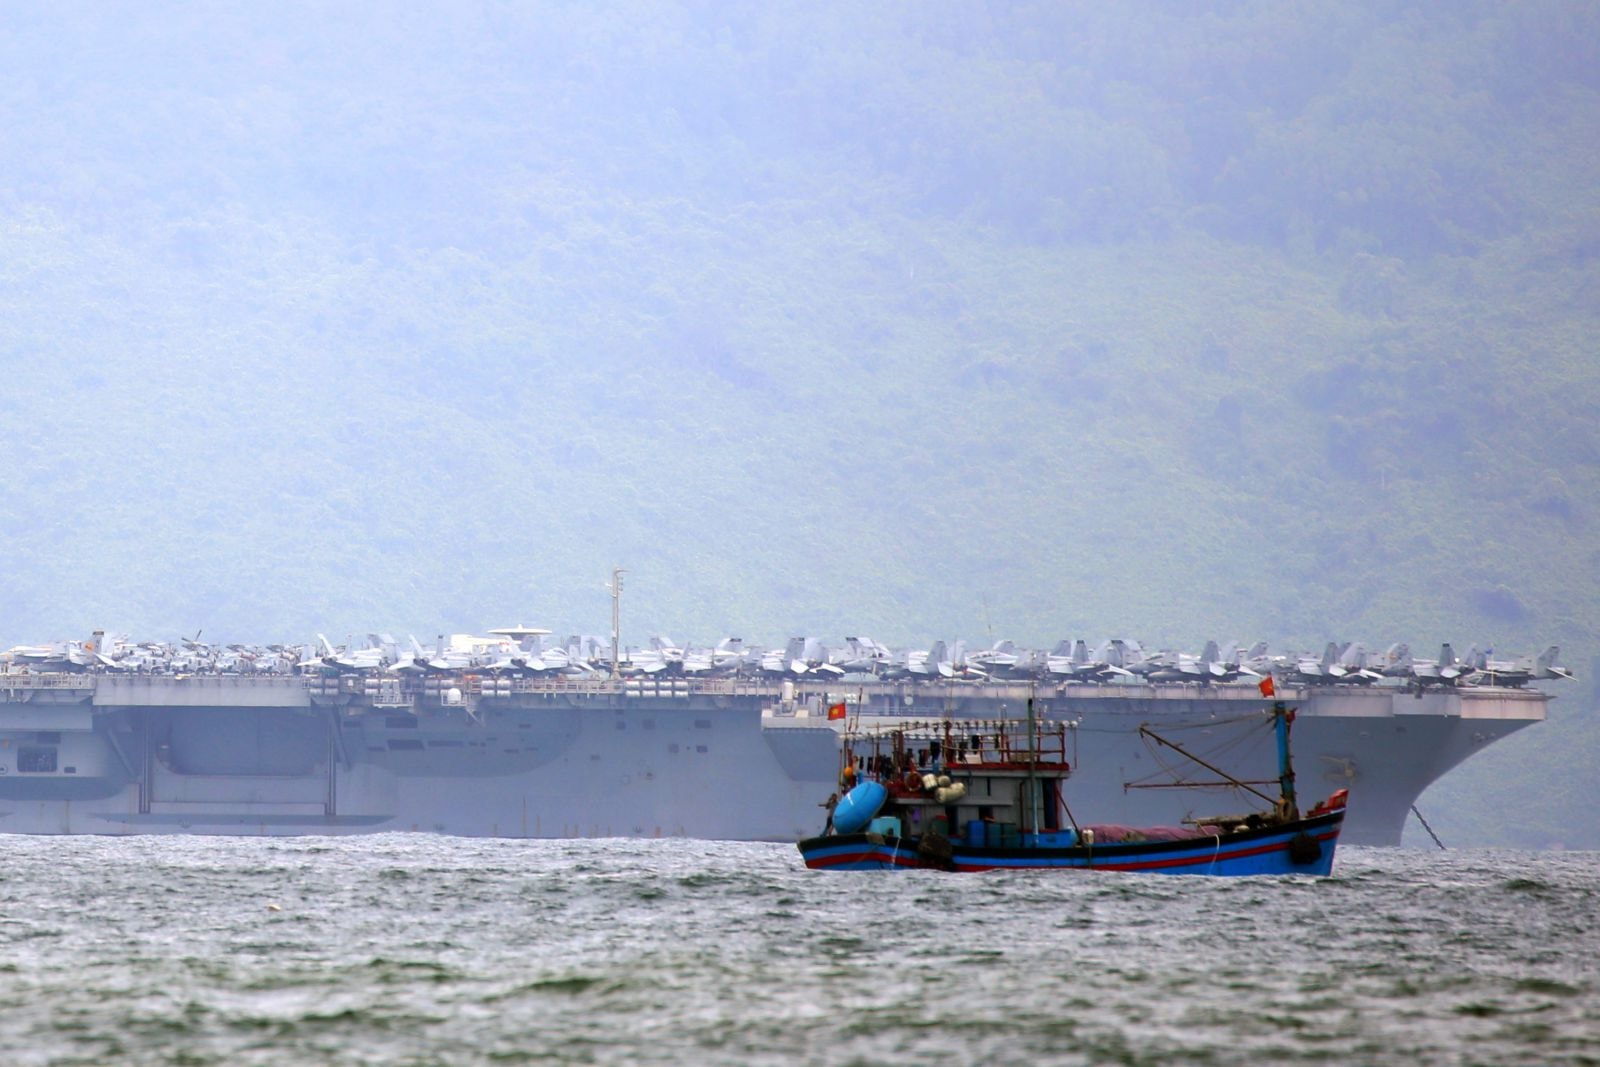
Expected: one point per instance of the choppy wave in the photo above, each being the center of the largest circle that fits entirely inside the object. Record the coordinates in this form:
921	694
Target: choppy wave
407	949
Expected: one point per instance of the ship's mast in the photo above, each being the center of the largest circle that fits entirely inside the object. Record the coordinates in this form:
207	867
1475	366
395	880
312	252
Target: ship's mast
616	619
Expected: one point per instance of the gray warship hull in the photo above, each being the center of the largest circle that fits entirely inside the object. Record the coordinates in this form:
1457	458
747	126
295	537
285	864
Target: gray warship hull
723	759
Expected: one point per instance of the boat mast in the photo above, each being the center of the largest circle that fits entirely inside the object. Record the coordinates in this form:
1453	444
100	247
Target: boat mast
1033	768
1282	717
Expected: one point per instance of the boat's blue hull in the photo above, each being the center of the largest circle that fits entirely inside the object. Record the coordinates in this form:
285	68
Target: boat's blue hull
1303	847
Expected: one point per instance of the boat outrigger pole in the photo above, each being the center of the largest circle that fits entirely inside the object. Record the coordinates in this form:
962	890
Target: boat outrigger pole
1145	731
1284	804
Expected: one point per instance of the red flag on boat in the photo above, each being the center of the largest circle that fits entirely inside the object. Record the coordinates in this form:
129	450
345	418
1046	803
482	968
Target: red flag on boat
836	711
1266	686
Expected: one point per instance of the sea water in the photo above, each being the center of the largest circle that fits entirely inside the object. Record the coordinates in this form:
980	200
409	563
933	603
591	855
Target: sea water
415	949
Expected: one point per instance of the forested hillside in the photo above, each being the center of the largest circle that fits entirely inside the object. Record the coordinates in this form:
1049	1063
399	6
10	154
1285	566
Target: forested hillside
917	320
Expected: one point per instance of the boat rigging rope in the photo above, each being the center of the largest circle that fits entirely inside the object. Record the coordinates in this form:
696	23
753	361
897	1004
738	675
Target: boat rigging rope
1245	742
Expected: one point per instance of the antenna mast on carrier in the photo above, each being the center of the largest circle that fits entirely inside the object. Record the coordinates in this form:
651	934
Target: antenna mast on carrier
616	619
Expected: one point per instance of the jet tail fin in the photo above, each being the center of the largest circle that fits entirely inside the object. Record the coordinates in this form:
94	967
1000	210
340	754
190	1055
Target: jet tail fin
1547	666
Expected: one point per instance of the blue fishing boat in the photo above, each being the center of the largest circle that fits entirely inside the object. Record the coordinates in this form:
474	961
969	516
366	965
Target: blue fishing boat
984	796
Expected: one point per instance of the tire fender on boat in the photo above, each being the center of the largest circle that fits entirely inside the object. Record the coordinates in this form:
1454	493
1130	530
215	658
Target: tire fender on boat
935	850
1304	849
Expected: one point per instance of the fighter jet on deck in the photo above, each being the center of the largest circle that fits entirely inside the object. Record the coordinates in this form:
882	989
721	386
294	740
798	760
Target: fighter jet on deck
1446	670
1519	671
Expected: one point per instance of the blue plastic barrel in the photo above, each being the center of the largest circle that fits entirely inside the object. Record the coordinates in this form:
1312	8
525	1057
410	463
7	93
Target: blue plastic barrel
857	807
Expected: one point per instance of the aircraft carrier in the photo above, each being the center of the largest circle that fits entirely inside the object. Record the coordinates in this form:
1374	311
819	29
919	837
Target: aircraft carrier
483	754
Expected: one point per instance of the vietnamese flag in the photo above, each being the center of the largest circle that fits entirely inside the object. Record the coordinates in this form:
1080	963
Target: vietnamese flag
1266	686
836	711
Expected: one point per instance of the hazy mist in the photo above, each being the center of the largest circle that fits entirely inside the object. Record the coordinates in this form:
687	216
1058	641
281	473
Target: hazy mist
1031	321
